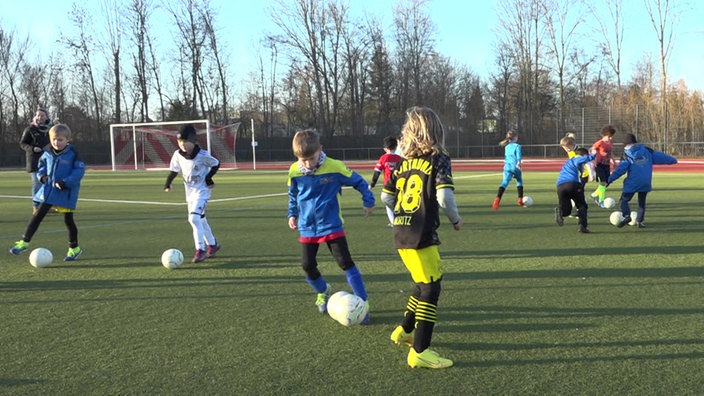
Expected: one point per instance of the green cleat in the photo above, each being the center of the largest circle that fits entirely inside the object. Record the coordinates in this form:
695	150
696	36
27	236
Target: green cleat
399	336
20	246
427	359
73	253
322	300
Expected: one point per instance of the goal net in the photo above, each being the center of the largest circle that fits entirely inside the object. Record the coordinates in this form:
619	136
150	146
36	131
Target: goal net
150	145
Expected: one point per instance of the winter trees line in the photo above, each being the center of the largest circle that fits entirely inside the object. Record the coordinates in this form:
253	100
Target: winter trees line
324	69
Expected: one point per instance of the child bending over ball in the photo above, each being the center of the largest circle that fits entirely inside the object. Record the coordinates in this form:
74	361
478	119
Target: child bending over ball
570	188
315	184
637	163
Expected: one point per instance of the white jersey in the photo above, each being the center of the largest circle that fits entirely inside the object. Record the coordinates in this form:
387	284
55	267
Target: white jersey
194	172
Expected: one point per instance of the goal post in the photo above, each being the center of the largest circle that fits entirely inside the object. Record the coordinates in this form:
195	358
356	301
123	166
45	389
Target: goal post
150	145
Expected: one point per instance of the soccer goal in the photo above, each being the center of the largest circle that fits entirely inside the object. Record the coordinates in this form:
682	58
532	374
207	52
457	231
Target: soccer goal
150	145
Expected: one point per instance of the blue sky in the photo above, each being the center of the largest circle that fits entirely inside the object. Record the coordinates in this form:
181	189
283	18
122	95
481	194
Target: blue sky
464	31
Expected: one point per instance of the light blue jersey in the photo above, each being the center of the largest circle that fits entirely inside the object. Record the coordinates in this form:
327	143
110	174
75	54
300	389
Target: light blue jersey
512	157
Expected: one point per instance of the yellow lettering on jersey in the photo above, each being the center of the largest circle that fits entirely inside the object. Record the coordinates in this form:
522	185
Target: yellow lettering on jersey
402	220
415	164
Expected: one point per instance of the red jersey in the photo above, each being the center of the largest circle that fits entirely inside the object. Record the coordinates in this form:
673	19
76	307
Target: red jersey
387	163
603	151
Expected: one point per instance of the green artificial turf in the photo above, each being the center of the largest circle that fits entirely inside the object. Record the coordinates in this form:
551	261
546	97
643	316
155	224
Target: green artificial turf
527	307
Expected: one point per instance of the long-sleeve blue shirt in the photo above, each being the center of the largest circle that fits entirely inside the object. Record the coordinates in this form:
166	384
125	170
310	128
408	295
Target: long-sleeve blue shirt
573	168
315	199
638	161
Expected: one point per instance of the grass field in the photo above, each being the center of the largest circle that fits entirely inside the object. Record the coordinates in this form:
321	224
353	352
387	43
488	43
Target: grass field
527	307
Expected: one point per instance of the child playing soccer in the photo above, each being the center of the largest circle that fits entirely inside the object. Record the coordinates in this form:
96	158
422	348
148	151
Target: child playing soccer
571	188
569	144
386	164
513	156
419	187
198	168
315	184
60	171
602	148
637	162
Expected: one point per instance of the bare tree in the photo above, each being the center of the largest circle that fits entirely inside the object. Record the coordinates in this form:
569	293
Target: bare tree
307	34
613	36
563	18
501	85
158	86
82	47
663	16
12	59
138	14
381	79
192	37
415	41
113	25
215	48
356	54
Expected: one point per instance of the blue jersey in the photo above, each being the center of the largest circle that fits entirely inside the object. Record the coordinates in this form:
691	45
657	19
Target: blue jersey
638	161
512	156
315	199
573	169
65	167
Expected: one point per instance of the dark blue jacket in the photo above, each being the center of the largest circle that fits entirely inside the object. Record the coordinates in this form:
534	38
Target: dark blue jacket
64	167
638	160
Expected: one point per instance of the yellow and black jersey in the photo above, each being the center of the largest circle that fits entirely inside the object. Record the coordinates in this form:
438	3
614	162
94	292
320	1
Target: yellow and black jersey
414	183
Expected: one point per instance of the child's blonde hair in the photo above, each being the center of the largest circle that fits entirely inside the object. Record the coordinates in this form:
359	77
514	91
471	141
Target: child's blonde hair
60	129
305	143
569	142
510	135
423	133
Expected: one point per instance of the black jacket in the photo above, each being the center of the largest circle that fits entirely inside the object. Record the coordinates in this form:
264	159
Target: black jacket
34	136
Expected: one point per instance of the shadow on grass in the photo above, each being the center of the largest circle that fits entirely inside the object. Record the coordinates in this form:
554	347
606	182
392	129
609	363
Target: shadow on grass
603	252
582	359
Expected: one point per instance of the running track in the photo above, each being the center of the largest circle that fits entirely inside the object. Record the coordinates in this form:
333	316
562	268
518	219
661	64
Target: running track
487	165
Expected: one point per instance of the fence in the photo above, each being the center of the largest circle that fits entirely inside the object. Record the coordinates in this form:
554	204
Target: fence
541	151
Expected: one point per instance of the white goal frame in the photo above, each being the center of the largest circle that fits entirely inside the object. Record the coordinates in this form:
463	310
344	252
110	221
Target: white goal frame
137	145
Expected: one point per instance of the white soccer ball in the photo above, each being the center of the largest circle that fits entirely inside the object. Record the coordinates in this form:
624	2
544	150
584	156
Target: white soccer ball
527	201
615	217
172	258
634	215
608	203
347	309
40	257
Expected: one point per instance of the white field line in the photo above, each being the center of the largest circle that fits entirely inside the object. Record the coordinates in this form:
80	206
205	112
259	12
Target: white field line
124	201
131	202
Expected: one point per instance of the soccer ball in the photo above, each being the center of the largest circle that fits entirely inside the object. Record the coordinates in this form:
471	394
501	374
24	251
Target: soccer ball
615	218
347	309
41	257
172	258
634	215
608	203
527	201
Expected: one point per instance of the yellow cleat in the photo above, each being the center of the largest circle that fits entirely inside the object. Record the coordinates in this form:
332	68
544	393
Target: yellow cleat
428	359
399	336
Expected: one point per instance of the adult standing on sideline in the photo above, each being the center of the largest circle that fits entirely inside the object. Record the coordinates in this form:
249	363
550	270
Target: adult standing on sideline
35	138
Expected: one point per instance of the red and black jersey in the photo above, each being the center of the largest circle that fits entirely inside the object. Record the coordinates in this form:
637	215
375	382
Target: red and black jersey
386	165
414	183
